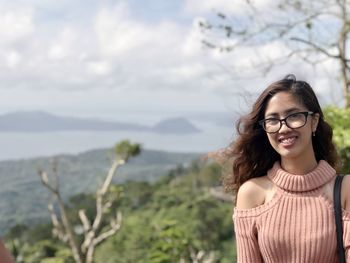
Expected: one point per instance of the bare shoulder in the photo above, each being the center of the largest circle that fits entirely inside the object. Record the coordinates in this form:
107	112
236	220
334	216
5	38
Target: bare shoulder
346	192
253	192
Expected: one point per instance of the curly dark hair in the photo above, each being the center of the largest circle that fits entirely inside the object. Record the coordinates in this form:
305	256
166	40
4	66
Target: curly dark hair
252	153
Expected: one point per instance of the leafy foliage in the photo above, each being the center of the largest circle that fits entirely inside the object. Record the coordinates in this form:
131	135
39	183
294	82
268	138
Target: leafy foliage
170	220
125	149
339	119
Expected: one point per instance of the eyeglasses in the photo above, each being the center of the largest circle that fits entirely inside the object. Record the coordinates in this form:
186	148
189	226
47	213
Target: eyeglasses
293	121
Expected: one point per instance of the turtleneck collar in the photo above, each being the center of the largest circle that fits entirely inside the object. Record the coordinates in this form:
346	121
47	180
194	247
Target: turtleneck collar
322	174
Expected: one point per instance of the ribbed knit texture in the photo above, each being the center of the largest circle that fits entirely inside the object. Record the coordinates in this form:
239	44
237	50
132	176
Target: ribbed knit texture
296	226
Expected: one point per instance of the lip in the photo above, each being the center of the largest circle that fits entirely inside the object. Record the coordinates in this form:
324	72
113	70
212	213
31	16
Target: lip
287	141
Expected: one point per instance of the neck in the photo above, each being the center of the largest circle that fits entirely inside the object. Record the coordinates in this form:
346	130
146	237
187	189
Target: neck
298	166
303	180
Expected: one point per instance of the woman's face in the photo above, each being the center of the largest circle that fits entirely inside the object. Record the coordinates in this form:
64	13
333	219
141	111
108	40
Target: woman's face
291	143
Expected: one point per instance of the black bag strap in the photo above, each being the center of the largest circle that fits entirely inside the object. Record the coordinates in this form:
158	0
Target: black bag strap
338	217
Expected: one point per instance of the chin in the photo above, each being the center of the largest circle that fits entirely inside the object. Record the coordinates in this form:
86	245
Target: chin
288	153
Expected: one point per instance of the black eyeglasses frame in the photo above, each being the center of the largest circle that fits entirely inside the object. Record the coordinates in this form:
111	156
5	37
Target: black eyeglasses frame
305	113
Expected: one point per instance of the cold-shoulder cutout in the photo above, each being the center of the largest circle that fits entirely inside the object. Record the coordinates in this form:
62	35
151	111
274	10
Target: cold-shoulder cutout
253	192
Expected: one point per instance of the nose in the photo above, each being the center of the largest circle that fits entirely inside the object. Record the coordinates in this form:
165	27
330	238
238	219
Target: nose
284	128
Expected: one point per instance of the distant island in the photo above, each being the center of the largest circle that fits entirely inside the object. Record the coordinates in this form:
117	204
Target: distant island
175	125
40	121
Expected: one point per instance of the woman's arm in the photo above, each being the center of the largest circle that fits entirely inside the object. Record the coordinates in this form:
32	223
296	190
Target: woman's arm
250	195
5	256
345	190
248	250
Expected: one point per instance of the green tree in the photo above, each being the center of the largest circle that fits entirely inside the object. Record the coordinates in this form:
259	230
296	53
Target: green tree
339	119
169	242
176	222
45	250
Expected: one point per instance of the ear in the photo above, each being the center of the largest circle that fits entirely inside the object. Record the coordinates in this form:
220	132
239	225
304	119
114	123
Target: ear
315	119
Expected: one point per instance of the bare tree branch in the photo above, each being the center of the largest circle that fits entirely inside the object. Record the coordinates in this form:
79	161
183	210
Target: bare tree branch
84	220
115	226
45	182
322	26
110	175
57	227
62	227
322	50
68	231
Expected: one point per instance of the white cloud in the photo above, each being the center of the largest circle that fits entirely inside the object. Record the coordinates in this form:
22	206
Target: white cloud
116	33
192	44
224	6
114	60
120	36
13	58
99	67
198	6
185	71
62	45
15	25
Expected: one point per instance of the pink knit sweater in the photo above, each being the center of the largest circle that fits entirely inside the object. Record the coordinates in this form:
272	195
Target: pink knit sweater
297	225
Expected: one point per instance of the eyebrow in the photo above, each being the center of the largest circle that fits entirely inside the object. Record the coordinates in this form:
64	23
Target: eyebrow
286	112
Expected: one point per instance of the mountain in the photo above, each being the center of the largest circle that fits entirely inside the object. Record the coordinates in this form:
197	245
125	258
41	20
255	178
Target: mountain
24	200
39	121
175	125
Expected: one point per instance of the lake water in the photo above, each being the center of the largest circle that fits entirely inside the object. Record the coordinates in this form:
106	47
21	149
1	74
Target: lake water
27	145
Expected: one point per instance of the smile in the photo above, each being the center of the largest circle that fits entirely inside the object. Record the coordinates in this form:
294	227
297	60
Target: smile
287	140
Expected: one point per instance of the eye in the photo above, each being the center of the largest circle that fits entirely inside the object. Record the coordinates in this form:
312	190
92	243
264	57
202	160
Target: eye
295	116
272	121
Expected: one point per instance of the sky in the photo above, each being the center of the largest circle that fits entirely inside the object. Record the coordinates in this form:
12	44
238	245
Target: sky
113	59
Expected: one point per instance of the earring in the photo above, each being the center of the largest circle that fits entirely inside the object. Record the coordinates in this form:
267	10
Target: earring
313	133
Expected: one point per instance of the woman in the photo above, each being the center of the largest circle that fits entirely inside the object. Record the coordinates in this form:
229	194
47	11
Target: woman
284	170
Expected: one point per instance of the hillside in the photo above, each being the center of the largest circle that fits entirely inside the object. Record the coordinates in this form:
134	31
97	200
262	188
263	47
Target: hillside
24	199
174	219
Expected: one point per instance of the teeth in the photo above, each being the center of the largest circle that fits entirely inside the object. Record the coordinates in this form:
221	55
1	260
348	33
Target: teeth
288	140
